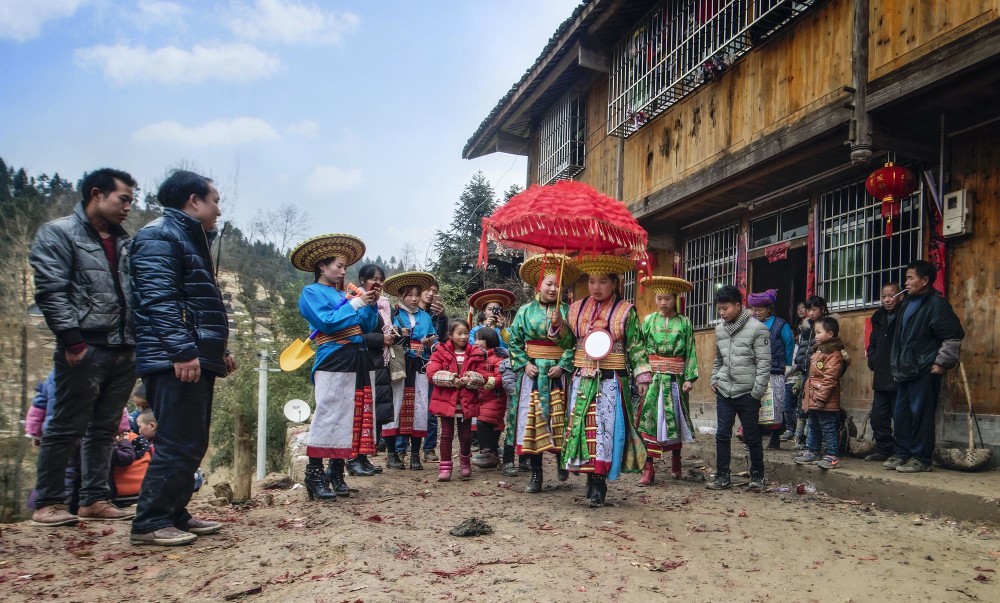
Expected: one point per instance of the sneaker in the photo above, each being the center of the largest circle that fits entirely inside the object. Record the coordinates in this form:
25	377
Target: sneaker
829	462
788	435
894	461
103	510
430	456
913	466
808	458
877	457
722	481
53	516
200	527
757	482
169	536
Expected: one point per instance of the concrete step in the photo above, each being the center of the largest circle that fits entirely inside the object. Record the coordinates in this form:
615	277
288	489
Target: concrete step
963	496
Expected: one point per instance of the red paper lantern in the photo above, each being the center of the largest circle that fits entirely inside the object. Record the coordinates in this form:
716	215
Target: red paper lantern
890	184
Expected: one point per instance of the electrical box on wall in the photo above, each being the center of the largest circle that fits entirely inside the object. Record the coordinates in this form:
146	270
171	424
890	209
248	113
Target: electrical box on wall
957	214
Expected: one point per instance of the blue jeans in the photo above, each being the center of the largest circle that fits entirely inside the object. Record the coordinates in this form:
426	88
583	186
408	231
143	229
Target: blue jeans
748	409
822	432
183	416
916	403
791	409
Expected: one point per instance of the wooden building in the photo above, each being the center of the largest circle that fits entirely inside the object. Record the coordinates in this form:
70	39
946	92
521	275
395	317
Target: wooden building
740	133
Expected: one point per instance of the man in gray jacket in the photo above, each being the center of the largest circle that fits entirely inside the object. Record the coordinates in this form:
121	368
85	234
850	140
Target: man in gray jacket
739	379
81	286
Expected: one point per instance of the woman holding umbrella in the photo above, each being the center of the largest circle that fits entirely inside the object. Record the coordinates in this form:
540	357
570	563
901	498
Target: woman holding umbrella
601	438
537	415
343	426
664	418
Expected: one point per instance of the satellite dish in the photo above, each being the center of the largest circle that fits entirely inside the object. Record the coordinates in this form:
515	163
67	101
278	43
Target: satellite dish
597	345
297	410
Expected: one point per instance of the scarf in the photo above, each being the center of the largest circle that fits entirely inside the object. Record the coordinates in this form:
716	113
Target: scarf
385	311
736	325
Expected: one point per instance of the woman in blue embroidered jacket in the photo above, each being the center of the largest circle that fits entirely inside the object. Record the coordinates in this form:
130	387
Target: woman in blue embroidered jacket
343	424
410	394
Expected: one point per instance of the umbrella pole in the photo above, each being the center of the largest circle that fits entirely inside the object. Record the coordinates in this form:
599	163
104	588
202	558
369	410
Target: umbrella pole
562	263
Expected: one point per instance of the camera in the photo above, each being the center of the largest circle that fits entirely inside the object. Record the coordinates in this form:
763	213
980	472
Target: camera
495	311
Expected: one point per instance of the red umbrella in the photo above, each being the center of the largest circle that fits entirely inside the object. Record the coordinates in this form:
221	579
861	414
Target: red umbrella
566	217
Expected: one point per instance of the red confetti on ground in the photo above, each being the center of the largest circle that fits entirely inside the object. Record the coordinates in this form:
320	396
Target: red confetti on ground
742	514
666	566
375	518
982	578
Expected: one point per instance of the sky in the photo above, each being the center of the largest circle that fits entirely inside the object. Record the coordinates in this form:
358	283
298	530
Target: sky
354	111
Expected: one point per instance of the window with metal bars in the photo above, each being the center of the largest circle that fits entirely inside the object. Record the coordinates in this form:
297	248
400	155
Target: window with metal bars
709	263
680	45
855	258
563	140
628	287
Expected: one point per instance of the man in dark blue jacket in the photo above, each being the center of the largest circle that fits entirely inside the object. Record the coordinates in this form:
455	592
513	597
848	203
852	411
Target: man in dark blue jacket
81	286
883	385
181	331
927	341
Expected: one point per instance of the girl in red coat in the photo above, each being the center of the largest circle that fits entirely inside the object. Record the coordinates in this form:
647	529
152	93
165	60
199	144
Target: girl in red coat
492	401
456	369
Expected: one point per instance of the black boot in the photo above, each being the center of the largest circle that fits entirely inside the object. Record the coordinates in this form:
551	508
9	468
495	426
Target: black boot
335	472
523	463
415	455
393	461
317	486
368	464
590	485
600	491
535	483
757	483
721	481
380	445
356	467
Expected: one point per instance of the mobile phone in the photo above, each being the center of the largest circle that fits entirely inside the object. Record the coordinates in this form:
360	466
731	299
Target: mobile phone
437	298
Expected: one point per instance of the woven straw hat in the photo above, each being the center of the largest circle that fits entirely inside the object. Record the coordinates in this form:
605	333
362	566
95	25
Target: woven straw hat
313	251
395	284
480	299
604	264
666	284
531	269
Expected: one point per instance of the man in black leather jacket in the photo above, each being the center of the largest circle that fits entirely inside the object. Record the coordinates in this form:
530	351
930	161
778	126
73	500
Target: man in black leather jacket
927	340
182	332
81	286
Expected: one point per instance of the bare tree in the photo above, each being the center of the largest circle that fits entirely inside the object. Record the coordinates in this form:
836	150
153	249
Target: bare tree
280	226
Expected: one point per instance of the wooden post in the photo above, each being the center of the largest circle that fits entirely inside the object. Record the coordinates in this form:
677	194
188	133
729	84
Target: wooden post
861	142
22	443
243	460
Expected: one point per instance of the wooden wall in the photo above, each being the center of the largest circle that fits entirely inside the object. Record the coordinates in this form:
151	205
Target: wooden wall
601	160
902	31
772	87
974	267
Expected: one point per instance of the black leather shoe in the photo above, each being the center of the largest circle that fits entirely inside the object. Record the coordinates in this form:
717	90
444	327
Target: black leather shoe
356	467
317	486
380	445
368	464
535	483
415	463
510	470
562	475
600	491
394	462
335	472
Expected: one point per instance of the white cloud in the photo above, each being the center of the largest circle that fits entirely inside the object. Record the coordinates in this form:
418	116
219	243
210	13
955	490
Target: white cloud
303	129
221	132
151	13
22	20
332	179
290	22
171	65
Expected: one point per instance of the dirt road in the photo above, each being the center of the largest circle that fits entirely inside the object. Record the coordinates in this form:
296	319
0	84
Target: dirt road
390	542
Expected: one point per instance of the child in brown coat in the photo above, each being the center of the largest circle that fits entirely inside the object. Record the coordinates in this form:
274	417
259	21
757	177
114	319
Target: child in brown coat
821	401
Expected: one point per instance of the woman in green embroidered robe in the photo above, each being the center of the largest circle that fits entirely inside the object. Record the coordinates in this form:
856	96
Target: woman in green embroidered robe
601	438
537	413
664	417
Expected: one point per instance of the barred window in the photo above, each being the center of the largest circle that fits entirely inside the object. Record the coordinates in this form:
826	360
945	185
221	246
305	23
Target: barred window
855	258
709	263
680	45
628	287
562	140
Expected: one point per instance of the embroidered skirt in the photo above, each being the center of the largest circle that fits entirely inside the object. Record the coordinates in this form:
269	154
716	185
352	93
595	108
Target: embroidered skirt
409	402
343	425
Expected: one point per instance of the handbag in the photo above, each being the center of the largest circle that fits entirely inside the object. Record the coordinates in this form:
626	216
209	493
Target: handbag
858	446
767	410
397	363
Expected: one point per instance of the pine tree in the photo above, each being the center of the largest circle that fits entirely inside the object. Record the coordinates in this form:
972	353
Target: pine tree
5	183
